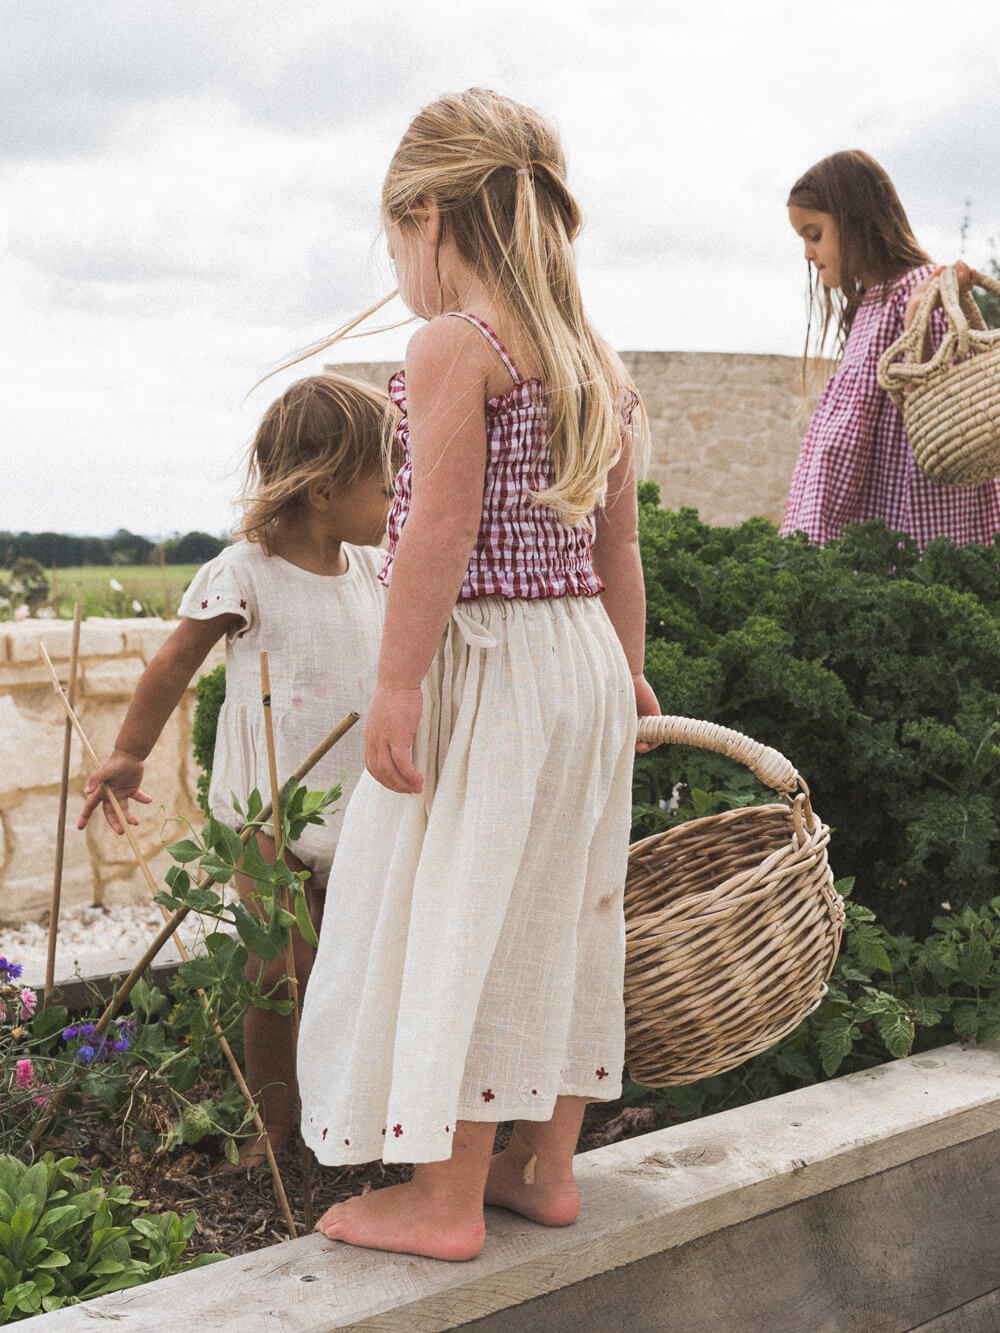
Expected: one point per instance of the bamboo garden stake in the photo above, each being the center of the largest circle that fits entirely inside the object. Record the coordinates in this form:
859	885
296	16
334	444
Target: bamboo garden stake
182	950
172	923
293	980
74	658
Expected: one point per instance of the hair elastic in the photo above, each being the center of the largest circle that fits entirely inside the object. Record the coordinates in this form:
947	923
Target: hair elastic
523	171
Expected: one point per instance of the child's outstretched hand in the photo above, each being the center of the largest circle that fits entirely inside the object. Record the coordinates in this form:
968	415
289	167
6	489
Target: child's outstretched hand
392	724
123	774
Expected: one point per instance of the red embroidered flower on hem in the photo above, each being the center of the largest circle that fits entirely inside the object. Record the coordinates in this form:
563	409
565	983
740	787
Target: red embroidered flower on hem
397	1130
324	1135
204	605
534	1092
243	604
601	1073
347	1143
489	1095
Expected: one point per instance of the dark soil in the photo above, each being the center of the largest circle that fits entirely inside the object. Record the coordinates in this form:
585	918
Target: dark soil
238	1211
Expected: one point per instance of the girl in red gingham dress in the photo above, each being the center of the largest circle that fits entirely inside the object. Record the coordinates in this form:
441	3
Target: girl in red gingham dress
470	968
856	462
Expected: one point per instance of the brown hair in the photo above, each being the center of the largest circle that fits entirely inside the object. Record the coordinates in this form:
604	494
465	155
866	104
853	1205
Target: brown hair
325	426
497	173
877	243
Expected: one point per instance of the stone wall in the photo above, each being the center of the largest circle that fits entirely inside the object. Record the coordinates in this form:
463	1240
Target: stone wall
726	427
98	865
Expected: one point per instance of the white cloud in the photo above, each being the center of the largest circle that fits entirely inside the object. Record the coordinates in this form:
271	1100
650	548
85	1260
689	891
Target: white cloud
193	192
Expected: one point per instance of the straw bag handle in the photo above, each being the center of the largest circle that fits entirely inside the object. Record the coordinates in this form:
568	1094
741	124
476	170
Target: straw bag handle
963	316
770	766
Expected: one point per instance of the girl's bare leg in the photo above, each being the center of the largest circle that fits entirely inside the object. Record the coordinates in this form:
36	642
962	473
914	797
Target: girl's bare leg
534	1174
268	1041
439	1213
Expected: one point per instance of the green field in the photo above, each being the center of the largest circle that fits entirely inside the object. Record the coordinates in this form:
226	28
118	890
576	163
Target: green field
91	585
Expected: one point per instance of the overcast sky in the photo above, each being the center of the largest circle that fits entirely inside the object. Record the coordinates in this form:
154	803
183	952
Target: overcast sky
190	193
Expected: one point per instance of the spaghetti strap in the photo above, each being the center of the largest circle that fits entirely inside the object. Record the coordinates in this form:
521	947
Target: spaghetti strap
493	341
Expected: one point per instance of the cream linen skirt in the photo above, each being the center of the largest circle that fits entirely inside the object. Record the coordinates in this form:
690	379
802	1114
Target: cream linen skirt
471	957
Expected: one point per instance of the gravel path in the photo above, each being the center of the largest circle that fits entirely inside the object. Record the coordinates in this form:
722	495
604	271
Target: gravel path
90	930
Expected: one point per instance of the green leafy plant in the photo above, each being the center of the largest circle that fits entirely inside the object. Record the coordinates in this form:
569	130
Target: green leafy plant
872	669
64	1239
209	696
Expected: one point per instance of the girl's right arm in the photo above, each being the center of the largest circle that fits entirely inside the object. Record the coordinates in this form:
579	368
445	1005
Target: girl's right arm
158	693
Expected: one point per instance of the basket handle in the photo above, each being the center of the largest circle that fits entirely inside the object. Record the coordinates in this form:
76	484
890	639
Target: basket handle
962	314
770	766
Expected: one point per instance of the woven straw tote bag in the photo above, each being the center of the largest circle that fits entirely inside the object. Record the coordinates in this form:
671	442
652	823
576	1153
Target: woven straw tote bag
951	403
732	923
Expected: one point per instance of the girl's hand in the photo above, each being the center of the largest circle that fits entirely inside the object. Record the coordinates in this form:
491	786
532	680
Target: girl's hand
967	279
646	705
123	774
389	731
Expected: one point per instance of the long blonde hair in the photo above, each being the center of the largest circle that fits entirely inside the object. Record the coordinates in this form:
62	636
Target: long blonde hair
496	171
324	426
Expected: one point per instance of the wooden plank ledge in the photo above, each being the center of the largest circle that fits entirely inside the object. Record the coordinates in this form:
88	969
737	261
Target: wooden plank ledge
661	1198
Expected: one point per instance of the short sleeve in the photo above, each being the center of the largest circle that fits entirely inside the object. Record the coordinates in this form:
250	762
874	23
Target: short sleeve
219	588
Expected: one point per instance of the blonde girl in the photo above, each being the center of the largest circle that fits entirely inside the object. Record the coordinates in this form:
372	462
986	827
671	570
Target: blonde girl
470	965
868	275
302	586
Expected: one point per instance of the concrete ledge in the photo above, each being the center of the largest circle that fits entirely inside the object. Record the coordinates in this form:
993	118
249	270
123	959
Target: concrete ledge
780	1217
78	977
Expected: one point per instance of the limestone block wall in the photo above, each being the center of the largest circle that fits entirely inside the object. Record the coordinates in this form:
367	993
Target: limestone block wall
726	427
98	865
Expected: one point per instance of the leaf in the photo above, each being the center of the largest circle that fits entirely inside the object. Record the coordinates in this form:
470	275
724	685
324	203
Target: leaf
975	960
167	900
836	1039
872	953
965	1018
227	843
897	1031
255	805
253	935
184	851
988	1026
303	920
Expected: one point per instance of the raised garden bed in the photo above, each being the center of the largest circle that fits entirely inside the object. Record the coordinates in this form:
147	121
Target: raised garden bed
868	1204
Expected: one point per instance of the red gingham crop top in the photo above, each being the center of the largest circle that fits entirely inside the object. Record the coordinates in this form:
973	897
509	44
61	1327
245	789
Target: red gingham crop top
522	550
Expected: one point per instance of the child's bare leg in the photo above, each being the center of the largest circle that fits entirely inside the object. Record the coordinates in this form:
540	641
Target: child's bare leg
534	1174
439	1213
268	1040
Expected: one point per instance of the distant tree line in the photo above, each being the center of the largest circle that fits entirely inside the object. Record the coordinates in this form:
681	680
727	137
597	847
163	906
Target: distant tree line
124	548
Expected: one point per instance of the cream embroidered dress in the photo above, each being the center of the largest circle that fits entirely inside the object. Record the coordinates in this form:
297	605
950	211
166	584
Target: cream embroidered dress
471	957
321	634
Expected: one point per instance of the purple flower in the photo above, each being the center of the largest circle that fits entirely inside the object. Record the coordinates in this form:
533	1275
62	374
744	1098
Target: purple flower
121	1045
86	1029
10	971
69	1033
86	1054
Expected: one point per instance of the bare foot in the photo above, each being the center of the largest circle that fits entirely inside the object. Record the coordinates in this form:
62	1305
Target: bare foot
407	1220
518	1181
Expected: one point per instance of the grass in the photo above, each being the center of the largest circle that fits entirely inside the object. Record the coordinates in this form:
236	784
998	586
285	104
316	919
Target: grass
91	585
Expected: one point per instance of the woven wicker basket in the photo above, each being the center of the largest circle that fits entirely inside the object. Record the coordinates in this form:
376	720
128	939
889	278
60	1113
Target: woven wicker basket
951	403
732	923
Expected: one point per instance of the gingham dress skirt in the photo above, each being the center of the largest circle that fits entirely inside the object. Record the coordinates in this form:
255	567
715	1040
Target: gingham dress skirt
471	956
